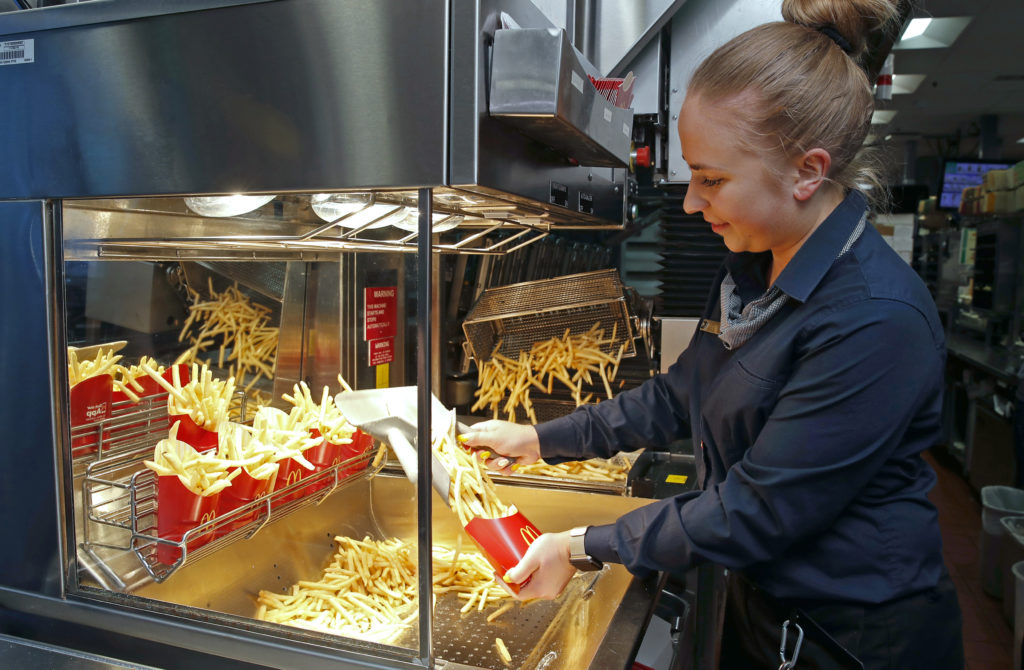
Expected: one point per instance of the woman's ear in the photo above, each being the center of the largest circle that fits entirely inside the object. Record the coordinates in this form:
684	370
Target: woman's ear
812	169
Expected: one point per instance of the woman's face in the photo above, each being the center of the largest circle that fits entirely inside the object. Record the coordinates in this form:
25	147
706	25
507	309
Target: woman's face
746	196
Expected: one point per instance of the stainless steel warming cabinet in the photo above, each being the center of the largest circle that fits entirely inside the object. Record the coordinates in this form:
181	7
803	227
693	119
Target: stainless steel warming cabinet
315	159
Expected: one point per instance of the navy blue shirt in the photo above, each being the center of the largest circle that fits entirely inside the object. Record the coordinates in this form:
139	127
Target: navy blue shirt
808	438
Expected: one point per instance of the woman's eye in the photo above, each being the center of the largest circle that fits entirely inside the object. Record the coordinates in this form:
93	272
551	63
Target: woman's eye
711	182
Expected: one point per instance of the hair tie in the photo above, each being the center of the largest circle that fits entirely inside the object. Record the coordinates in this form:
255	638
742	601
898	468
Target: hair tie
833	34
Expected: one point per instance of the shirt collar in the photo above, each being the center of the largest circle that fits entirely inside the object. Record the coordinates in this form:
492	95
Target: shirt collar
804	272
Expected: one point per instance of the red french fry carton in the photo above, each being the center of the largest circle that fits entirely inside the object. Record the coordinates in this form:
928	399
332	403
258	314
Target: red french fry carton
323	456
90	402
202	440
289	472
361	443
243	490
179	510
503	541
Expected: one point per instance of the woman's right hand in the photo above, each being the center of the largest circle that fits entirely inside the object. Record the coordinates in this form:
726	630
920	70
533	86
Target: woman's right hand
503	438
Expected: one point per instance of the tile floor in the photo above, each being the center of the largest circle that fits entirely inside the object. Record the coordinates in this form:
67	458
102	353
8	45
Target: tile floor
988	637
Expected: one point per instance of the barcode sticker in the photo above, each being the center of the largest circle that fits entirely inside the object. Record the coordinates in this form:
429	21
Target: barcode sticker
577	81
625	129
17	52
607	115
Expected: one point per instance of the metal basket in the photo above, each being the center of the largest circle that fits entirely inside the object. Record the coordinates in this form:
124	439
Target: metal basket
510	319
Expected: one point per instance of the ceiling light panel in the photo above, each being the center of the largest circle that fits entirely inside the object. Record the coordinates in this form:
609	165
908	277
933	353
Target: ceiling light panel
882	116
904	84
932	33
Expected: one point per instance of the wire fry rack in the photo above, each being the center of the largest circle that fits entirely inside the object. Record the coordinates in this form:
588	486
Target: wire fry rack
119	500
510	319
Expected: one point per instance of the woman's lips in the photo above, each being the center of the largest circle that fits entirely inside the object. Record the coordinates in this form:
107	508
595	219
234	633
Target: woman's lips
718	227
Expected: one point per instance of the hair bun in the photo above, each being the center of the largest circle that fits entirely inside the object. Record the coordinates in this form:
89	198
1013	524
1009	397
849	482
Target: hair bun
853	20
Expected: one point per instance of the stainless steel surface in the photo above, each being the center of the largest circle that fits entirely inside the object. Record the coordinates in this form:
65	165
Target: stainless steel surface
160	228
315	108
518	315
698	28
488	157
539	85
135	295
21	653
623	29
224	585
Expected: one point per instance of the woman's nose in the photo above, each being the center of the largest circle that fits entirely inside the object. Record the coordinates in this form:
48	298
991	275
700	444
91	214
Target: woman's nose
693	203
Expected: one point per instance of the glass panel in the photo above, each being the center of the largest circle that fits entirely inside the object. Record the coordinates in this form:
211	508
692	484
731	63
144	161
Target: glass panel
214	473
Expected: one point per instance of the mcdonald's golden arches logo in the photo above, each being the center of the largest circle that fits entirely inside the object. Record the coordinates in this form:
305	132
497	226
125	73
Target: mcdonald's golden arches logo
529	534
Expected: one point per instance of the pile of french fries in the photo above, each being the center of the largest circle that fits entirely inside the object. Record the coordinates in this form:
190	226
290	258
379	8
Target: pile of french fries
287	436
238	446
595	470
105	363
503	383
472	493
241	326
125	377
204	399
324	416
369	590
201	474
468	574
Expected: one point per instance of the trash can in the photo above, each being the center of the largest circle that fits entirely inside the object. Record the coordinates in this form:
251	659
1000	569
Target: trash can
996	502
1012	552
1018	614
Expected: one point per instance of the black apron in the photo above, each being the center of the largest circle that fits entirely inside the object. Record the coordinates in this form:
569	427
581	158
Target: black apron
919	631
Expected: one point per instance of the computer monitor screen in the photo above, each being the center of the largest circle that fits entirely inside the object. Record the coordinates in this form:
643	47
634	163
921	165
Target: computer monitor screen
958	175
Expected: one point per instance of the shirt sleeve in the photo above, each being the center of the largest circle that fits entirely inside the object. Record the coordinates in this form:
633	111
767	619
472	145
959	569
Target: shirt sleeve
653	414
858	381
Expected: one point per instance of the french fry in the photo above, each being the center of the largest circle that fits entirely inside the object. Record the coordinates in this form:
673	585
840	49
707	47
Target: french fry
506	657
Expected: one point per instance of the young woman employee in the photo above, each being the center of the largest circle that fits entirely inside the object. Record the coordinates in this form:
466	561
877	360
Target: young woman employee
811	389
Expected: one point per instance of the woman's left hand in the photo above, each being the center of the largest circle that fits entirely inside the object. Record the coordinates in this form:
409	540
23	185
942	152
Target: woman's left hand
546	566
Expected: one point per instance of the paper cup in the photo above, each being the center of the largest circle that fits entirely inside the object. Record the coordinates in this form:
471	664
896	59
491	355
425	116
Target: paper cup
243	490
179	510
361	443
323	456
90	402
503	541
289	472
188	432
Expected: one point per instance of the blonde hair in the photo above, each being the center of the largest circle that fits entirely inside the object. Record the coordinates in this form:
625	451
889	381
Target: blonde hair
798	88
